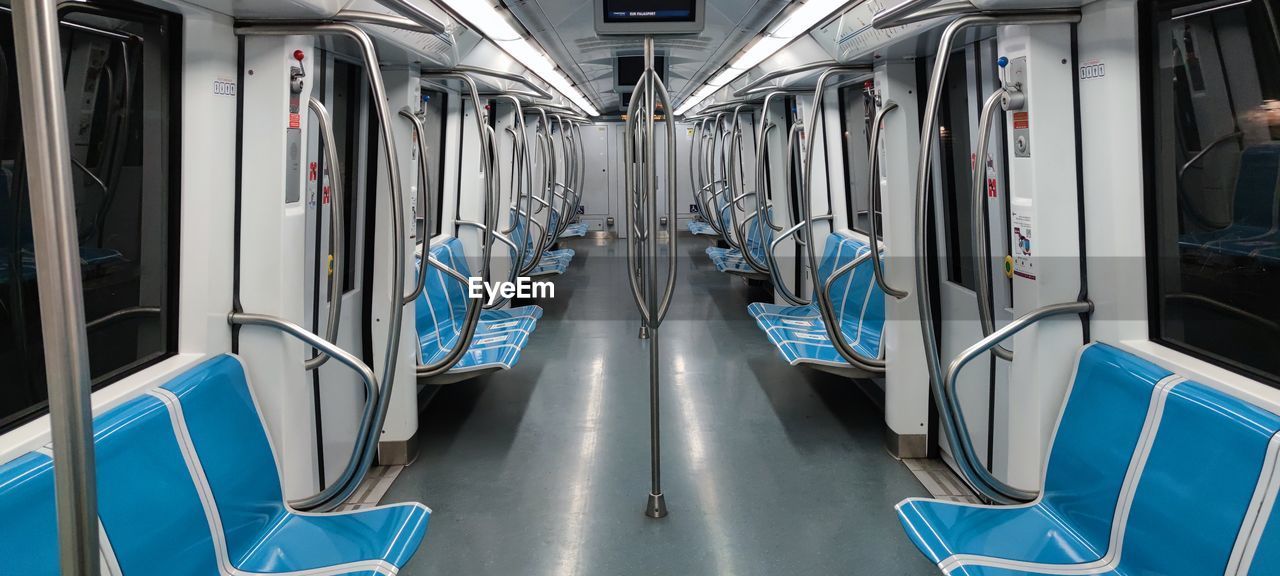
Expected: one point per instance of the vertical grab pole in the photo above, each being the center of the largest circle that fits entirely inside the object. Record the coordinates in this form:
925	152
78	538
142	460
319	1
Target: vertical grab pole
53	218
657	503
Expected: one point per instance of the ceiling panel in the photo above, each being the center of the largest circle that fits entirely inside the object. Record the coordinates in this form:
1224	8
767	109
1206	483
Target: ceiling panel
566	30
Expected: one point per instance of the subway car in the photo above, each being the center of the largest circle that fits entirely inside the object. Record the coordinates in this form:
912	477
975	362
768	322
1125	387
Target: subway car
639	287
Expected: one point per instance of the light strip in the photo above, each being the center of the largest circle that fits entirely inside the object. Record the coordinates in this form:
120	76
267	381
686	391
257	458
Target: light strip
480	15
798	22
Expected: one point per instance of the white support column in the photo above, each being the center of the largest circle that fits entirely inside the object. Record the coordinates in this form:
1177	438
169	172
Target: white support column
399	433
906	394
272	221
1044	205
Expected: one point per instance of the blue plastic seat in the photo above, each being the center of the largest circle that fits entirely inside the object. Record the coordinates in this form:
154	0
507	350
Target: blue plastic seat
732	261
799	331
188	485
575	230
441	313
553	262
700	228
1147	474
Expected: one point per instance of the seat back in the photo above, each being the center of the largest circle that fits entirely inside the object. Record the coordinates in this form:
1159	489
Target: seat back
755	245
214	406
1098	431
150	509
855	296
442	307
1198	485
28	519
1257	194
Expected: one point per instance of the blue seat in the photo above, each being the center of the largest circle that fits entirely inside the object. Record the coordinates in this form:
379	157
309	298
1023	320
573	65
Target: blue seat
1254	231
575	230
700	228
1148	474
553	262
732	261
188	485
441	312
799	331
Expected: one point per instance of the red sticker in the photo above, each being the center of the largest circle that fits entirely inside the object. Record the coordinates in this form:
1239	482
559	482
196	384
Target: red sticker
311	173
1021	120
326	196
295	120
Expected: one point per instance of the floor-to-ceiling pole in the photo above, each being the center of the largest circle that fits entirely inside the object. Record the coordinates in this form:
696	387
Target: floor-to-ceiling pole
53	220
657	506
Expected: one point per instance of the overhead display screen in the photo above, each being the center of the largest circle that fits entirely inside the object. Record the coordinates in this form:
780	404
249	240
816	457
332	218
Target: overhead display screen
649	17
618	11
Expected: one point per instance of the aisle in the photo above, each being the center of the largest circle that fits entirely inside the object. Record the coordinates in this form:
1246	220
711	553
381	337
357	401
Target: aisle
544	470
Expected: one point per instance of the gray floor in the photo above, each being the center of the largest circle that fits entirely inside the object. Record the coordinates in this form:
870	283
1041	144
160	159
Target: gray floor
767	469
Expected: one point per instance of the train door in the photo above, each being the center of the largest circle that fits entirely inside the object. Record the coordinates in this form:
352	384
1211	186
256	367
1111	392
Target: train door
972	75
341	88
597	202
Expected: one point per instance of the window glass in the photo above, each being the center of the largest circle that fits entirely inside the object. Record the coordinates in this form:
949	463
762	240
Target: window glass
952	182
117	71
433	109
1214	121
857	111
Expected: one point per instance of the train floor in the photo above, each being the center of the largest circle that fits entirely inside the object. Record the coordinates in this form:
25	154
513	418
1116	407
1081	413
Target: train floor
767	468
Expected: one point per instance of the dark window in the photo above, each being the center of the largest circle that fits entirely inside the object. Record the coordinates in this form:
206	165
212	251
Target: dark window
434	104
857	110
1213	171
120	82
953	181
348	87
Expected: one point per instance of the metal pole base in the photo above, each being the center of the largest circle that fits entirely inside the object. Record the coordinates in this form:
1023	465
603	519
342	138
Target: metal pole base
644	332
657	507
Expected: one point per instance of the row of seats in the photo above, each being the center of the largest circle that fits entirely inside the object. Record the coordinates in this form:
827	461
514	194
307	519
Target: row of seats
1148	473
188	485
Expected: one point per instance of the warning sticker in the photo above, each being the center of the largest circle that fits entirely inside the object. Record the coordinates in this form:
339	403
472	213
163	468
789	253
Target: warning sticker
1023	247
1021	120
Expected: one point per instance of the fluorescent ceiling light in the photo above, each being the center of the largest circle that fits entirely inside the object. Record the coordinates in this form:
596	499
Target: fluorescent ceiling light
483	18
798	22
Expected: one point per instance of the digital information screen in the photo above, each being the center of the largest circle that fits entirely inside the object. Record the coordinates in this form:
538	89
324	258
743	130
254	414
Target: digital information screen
618	11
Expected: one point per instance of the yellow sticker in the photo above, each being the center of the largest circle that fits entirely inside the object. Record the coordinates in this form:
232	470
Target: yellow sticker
1008	266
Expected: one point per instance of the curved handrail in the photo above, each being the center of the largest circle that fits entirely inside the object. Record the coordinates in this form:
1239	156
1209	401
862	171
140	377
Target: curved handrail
981	231
337	235
989	343
873	200
419	135
629	184
976	475
349	482
371	402
852	356
776	275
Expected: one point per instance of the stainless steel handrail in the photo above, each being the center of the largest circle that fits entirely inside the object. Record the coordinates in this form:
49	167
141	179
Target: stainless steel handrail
411	11
781	73
873	200
981	231
419	135
976	475
653	309
830	321
337	232
325	498
983	346
57	249
396	204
